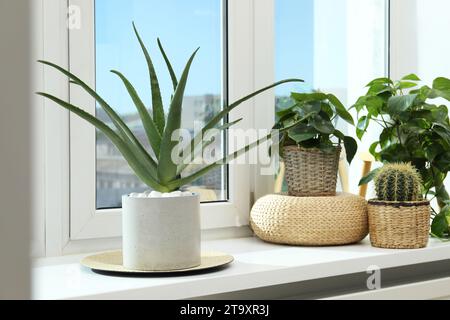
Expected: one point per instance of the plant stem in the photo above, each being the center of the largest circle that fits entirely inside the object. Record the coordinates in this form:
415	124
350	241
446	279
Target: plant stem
380	123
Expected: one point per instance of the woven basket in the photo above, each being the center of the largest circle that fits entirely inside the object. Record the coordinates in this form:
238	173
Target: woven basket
399	225
310	221
311	172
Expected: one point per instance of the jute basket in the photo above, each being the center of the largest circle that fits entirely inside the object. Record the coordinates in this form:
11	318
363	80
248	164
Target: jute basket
399	225
310	221
311	172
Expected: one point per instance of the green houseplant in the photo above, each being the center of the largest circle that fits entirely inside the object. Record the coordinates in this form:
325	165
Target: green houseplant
167	236
399	218
415	130
311	148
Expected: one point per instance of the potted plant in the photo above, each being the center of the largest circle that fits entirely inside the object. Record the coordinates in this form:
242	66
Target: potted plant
399	218
161	232
311	149
414	129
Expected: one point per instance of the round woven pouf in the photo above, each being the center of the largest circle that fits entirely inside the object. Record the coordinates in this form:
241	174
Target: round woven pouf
311	221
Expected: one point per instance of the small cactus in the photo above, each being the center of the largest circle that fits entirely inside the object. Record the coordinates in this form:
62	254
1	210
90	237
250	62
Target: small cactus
398	182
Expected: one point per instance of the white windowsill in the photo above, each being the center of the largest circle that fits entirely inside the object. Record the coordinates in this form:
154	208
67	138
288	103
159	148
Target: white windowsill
257	265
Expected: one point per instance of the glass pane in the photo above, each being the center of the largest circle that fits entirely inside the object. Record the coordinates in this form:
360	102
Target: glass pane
182	26
336	46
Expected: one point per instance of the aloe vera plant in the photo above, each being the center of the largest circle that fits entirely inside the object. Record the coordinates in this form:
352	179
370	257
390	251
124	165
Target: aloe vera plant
156	169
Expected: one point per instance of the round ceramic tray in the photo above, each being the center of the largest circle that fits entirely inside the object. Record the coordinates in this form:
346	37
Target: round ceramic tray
112	262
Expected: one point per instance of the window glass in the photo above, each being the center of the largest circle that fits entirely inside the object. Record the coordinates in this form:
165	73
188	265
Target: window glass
182	26
336	46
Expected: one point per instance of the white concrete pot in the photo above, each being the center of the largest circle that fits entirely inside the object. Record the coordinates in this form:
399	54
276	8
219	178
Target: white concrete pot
161	234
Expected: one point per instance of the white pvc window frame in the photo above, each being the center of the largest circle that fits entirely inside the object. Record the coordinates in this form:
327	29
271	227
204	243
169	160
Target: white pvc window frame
62	227
72	223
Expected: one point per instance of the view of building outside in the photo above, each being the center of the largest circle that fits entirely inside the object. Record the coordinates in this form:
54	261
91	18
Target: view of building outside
182	26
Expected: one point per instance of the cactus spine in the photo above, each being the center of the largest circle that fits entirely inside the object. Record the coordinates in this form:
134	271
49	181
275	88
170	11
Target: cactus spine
398	182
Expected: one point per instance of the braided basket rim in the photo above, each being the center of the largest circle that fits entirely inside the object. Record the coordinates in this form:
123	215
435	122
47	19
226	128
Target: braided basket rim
381	203
311	150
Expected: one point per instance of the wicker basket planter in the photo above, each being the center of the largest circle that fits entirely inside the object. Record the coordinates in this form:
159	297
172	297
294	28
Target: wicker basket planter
311	172
310	221
399	225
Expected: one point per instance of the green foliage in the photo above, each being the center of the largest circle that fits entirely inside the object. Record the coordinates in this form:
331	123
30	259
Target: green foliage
414	129
314	114
398	182
440	225
159	171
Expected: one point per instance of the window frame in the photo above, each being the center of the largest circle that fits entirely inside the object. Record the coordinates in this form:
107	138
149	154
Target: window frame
251	36
72	222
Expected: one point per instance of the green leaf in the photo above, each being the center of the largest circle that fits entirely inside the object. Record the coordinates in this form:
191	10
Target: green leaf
322	125
442	194
406	85
362	126
224	127
439	94
359	105
308	97
301	137
442	162
419	123
351	148
373	149
380	81
151	130
157	104
310	108
399	104
301	133
424	93
411	77
311	144
386	137
440	226
441	84
433	150
167	169
286	111
443	133
326	146
395	153
169	66
226	110
340	109
374	105
367	179
338	134
378	88
177	183
439	114
287	120
125	149
123	129
326	107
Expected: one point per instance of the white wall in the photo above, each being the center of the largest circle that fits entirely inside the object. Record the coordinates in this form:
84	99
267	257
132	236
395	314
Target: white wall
15	147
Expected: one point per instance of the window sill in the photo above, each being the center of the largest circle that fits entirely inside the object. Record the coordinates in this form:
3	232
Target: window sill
257	265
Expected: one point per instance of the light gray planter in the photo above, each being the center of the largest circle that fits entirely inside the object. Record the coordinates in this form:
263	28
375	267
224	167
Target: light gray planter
161	234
